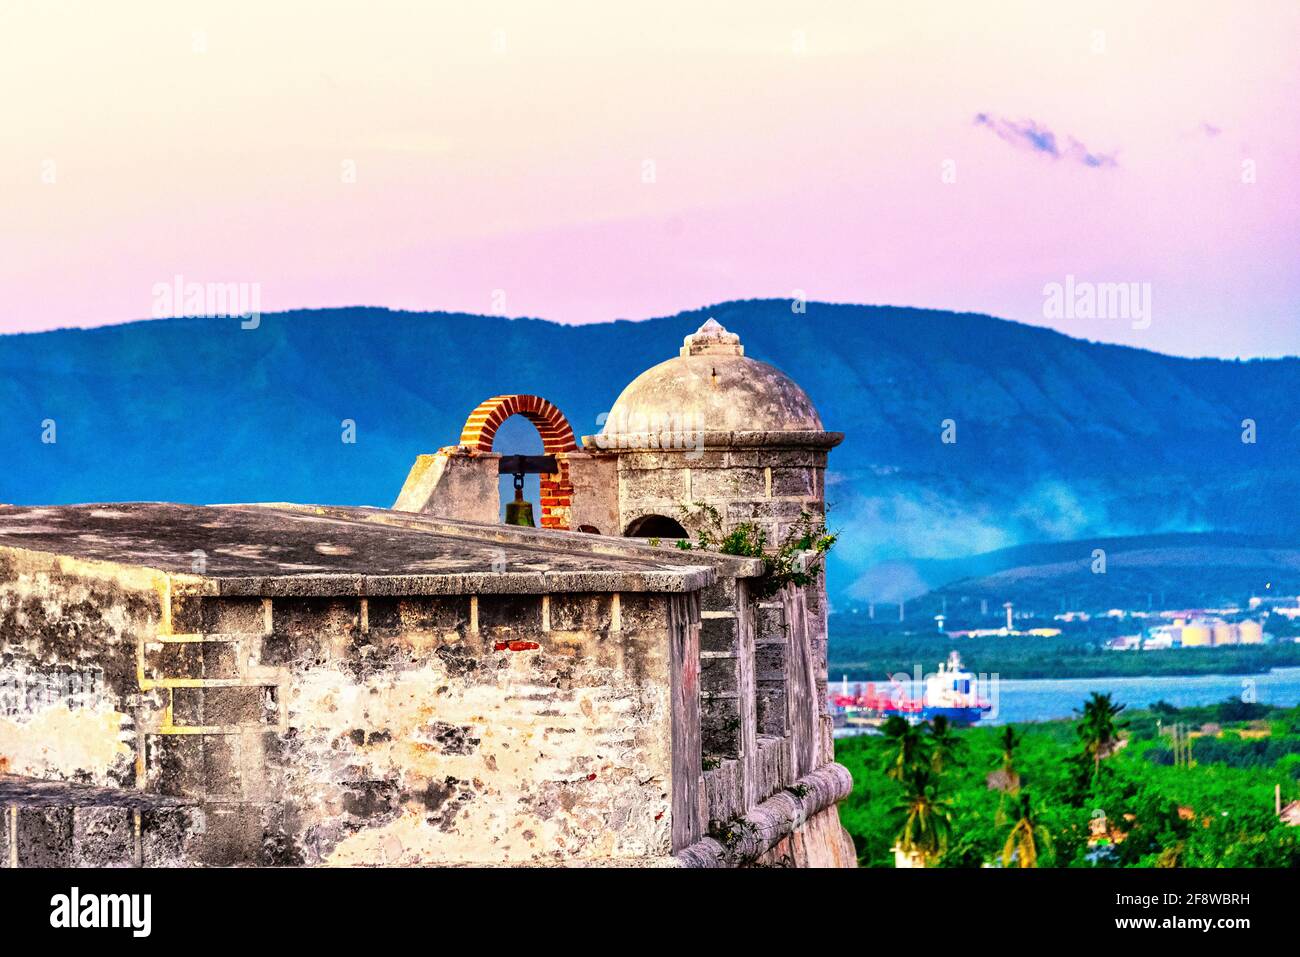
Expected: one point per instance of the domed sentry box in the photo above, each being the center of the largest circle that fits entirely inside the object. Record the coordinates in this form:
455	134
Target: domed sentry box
707	441
713	429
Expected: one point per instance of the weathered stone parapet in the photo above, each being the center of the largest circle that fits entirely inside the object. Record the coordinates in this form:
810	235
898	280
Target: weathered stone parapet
352	686
454	482
745	839
685	579
533	717
554	541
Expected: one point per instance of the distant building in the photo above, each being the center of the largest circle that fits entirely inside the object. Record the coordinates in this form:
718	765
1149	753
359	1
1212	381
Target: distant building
1289	611
904	858
1196	634
1125	643
1204	632
1158	639
1004	633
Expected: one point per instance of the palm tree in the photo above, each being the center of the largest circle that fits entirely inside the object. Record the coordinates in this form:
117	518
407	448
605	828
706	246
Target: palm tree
1006	779
945	746
1009	741
926	823
1099	729
1026	834
908	748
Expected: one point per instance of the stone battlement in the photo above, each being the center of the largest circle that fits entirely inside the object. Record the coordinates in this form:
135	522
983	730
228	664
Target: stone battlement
300	685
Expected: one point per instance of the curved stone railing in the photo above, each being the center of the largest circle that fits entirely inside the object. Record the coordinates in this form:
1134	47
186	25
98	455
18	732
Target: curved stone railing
748	837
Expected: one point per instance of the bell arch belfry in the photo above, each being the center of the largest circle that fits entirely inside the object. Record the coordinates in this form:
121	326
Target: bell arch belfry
460	481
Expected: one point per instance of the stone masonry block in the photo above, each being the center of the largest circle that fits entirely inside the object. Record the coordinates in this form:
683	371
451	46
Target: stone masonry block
171	836
770	702
770	662
222	770
719	634
241	705
174	764
771	623
720	727
103	837
719	676
776	458
45	837
187	613
720	485
228	706
793	482
590	613
504	616
664	485
720	596
445	616
642	612
306	630
786	511
192	659
233	835
233	616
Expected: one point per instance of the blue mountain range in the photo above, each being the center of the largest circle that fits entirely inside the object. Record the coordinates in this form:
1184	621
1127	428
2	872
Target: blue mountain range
1057	439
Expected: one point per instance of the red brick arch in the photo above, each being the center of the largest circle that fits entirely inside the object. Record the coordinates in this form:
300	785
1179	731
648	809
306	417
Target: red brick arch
557	437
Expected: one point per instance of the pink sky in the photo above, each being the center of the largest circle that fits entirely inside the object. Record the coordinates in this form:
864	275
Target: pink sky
500	157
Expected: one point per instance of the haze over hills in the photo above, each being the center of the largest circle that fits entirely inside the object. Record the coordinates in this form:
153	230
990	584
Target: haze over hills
1057	438
1175	570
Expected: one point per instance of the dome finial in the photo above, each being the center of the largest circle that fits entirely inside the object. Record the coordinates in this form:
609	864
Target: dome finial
712	339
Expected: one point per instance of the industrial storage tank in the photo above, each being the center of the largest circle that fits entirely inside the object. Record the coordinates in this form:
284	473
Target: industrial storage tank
1196	634
1225	633
1250	633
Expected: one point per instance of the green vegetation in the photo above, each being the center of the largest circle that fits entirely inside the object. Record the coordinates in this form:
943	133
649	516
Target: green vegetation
785	564
872	653
1095	792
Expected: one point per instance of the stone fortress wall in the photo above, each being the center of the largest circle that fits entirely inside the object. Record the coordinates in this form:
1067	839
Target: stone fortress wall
423	685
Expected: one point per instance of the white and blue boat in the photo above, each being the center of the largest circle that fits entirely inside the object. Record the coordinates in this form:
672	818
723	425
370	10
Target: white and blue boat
953	692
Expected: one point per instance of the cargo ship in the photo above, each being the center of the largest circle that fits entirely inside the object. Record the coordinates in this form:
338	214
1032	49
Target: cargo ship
951	692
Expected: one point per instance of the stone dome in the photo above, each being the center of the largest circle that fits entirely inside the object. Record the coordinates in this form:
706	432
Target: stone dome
713	388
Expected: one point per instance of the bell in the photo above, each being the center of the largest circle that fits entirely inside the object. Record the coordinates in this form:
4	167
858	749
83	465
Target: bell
519	512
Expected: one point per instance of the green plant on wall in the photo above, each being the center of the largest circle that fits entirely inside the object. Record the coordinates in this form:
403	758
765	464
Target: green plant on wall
785	563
